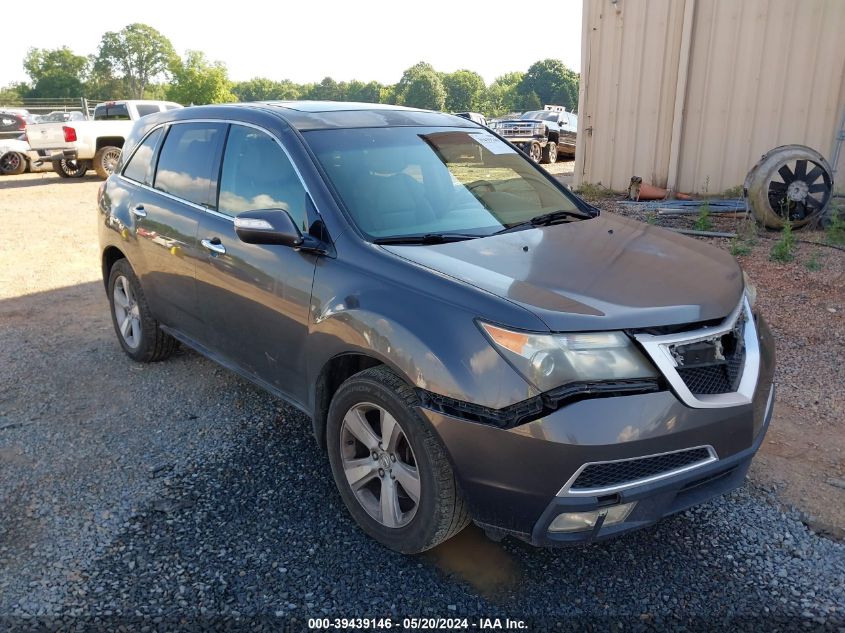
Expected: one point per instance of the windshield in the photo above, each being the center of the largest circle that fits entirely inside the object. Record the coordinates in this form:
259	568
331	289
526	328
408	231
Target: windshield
417	181
541	115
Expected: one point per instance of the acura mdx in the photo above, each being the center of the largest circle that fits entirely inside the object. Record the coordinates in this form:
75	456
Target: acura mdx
471	341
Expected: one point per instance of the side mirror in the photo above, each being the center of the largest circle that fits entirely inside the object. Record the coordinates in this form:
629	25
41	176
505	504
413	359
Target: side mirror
269	226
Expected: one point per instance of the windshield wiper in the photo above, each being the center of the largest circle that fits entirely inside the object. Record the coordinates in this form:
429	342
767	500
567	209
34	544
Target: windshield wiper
547	219
428	238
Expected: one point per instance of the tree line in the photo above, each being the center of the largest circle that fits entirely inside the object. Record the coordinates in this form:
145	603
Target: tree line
138	62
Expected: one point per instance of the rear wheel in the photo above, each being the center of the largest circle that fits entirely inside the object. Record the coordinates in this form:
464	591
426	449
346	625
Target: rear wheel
12	163
389	467
138	332
71	168
105	161
550	152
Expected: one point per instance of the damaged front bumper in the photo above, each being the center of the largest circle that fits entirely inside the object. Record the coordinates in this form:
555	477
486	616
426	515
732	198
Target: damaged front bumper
518	480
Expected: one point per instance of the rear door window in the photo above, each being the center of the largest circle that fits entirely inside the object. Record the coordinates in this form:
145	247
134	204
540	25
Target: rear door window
139	167
187	161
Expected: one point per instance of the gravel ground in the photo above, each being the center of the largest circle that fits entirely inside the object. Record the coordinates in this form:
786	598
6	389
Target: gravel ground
176	494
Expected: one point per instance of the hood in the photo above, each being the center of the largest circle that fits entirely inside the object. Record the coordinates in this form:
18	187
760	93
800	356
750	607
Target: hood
608	272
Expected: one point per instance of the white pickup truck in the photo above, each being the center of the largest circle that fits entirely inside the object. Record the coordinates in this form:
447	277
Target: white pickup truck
75	147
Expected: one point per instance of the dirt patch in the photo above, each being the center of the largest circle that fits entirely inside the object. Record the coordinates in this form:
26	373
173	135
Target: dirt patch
49	233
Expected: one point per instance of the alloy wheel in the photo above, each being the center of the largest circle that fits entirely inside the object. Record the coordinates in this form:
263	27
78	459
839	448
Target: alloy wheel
110	160
10	162
380	465
127	312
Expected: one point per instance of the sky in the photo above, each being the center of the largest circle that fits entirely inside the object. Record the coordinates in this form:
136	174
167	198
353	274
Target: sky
306	41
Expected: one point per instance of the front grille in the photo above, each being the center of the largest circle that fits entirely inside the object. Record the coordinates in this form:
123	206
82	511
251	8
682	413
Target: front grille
722	376
713	379
612	474
516	129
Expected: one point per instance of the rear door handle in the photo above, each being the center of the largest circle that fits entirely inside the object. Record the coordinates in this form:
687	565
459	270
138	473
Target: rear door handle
214	245
139	211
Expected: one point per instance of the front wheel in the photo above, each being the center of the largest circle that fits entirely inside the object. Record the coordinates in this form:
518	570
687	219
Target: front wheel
71	168
535	152
389	467
138	332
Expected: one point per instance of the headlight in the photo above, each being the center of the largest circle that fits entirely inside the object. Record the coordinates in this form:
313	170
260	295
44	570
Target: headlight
551	360
750	289
539	128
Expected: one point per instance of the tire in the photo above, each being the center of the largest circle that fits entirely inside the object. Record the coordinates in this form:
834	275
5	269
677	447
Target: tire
71	168
550	153
535	152
105	160
439	512
12	163
144	340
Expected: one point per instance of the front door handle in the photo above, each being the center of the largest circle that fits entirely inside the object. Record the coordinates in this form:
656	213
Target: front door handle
214	245
139	211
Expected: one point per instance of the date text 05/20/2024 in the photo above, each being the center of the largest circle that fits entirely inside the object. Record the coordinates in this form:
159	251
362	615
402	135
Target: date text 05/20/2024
422	624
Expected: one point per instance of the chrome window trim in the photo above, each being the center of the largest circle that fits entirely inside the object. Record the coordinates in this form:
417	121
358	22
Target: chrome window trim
214	212
567	490
657	347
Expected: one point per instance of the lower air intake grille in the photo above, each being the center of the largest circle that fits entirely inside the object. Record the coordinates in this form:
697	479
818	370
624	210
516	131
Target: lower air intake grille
619	473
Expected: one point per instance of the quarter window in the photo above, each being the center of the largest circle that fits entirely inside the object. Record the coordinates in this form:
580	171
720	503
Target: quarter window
186	161
139	167
257	174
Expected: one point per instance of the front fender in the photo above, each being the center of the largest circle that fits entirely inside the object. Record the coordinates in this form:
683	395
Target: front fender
433	343
454	362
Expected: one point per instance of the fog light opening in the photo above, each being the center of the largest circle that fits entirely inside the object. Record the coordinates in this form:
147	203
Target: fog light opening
583	521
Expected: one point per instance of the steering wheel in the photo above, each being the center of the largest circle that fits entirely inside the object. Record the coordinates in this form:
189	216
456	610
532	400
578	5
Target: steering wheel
481	183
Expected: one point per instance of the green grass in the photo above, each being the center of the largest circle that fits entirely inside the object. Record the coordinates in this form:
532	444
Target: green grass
740	247
784	249
592	191
813	264
836	229
733	192
703	221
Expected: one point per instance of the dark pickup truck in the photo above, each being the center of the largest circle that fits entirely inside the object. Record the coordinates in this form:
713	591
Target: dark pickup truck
542	134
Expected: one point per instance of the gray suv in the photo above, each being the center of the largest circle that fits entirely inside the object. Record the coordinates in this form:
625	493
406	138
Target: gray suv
471	341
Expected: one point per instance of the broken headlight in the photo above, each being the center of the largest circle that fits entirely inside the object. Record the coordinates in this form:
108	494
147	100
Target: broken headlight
551	360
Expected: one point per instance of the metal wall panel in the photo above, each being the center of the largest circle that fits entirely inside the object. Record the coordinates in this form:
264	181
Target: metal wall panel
753	75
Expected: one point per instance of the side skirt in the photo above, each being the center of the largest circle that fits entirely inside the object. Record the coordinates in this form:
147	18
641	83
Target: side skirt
234	367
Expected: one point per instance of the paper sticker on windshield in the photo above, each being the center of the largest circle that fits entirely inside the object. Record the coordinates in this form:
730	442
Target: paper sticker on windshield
493	144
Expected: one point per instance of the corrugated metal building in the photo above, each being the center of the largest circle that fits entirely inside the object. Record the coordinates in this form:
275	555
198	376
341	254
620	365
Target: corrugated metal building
689	94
